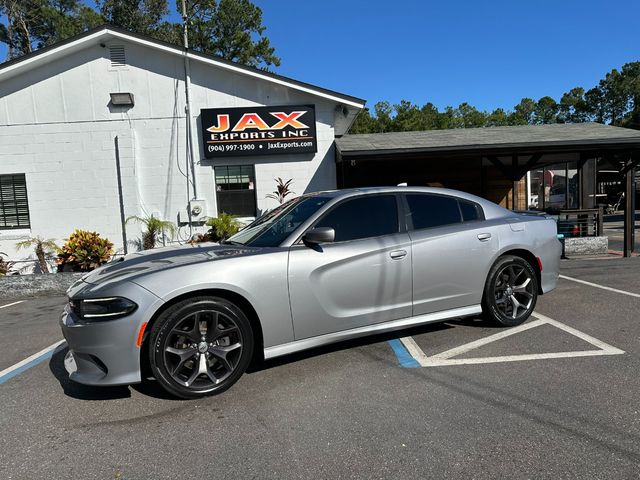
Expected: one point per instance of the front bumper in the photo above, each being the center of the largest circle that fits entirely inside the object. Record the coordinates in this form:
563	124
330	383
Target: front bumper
106	353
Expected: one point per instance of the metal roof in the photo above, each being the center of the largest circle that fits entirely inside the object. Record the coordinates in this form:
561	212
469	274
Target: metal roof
105	31
491	139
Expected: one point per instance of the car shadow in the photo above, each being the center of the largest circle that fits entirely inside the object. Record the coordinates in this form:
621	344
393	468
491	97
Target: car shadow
148	387
258	364
152	388
77	390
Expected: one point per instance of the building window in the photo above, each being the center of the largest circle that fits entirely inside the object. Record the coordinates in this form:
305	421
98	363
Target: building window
236	190
14	207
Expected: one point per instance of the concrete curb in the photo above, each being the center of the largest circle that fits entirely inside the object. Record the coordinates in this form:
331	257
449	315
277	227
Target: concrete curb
578	246
18	286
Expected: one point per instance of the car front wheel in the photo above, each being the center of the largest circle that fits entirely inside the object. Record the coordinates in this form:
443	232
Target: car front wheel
200	346
511	291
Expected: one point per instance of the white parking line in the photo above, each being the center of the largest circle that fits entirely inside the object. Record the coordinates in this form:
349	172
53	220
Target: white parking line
445	358
29	362
10	304
624	292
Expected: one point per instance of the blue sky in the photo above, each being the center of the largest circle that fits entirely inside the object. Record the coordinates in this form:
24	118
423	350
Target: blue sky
488	53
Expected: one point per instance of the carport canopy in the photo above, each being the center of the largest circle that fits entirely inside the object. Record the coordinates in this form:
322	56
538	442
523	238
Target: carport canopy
511	150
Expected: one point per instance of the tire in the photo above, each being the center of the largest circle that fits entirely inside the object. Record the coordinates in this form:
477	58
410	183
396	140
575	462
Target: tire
200	346
510	292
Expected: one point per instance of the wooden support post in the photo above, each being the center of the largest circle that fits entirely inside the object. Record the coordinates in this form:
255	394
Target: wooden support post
630	212
514	177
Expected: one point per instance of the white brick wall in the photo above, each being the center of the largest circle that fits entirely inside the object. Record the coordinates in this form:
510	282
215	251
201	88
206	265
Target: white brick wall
57	128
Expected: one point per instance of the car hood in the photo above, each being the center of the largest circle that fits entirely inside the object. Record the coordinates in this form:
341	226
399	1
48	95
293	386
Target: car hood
141	263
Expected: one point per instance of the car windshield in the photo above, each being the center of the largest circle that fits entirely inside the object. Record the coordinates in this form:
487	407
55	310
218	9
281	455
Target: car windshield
271	229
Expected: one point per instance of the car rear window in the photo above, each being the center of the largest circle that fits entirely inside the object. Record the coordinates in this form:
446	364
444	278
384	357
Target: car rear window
363	217
429	211
470	211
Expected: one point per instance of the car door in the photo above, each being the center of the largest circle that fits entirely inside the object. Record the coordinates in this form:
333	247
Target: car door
452	246
362	278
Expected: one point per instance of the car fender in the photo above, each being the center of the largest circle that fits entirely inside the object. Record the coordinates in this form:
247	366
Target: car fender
260	280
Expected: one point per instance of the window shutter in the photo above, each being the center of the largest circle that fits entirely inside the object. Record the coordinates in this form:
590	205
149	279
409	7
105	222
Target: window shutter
14	206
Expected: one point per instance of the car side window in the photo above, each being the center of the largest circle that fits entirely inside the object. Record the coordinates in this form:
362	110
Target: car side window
429	211
470	211
363	217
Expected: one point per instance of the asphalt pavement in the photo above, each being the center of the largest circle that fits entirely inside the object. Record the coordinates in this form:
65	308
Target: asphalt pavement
352	410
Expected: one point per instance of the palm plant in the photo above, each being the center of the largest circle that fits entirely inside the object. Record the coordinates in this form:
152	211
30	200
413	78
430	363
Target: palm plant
222	227
154	228
281	191
43	247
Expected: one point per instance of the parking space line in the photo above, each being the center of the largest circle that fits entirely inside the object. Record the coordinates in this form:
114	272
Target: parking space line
11	304
484	341
406	358
603	287
445	358
29	362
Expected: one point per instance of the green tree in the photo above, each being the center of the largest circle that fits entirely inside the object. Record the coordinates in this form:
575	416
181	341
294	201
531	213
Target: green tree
546	111
22	16
573	106
364	123
231	29
469	116
498	118
594	105
384	116
408	117
524	112
631	86
140	16
32	24
614	97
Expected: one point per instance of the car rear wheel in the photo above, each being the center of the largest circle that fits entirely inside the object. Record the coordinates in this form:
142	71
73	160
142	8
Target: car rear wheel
200	346
511	291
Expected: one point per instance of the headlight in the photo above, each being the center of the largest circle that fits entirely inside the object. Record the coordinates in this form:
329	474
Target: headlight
100	309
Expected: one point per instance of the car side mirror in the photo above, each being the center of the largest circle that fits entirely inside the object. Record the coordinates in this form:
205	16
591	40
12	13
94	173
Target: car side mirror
319	235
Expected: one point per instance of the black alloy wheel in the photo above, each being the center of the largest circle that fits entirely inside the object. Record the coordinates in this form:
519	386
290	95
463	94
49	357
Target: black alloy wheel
511	291
200	346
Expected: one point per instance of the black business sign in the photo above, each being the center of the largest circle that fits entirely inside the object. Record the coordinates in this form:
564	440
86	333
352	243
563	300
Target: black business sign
229	132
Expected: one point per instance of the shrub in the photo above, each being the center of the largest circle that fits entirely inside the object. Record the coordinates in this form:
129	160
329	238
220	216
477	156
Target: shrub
4	265
222	227
83	251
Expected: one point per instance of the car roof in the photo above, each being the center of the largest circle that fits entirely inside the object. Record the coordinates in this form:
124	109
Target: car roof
491	210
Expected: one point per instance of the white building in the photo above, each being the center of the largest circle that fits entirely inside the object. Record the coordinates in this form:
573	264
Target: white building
61	137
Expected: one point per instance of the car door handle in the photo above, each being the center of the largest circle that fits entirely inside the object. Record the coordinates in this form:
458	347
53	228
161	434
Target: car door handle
483	237
398	254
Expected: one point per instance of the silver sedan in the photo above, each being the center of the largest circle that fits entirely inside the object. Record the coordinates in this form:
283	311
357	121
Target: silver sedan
321	268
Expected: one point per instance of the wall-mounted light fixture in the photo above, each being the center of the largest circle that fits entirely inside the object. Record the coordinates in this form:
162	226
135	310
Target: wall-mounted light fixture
123	99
